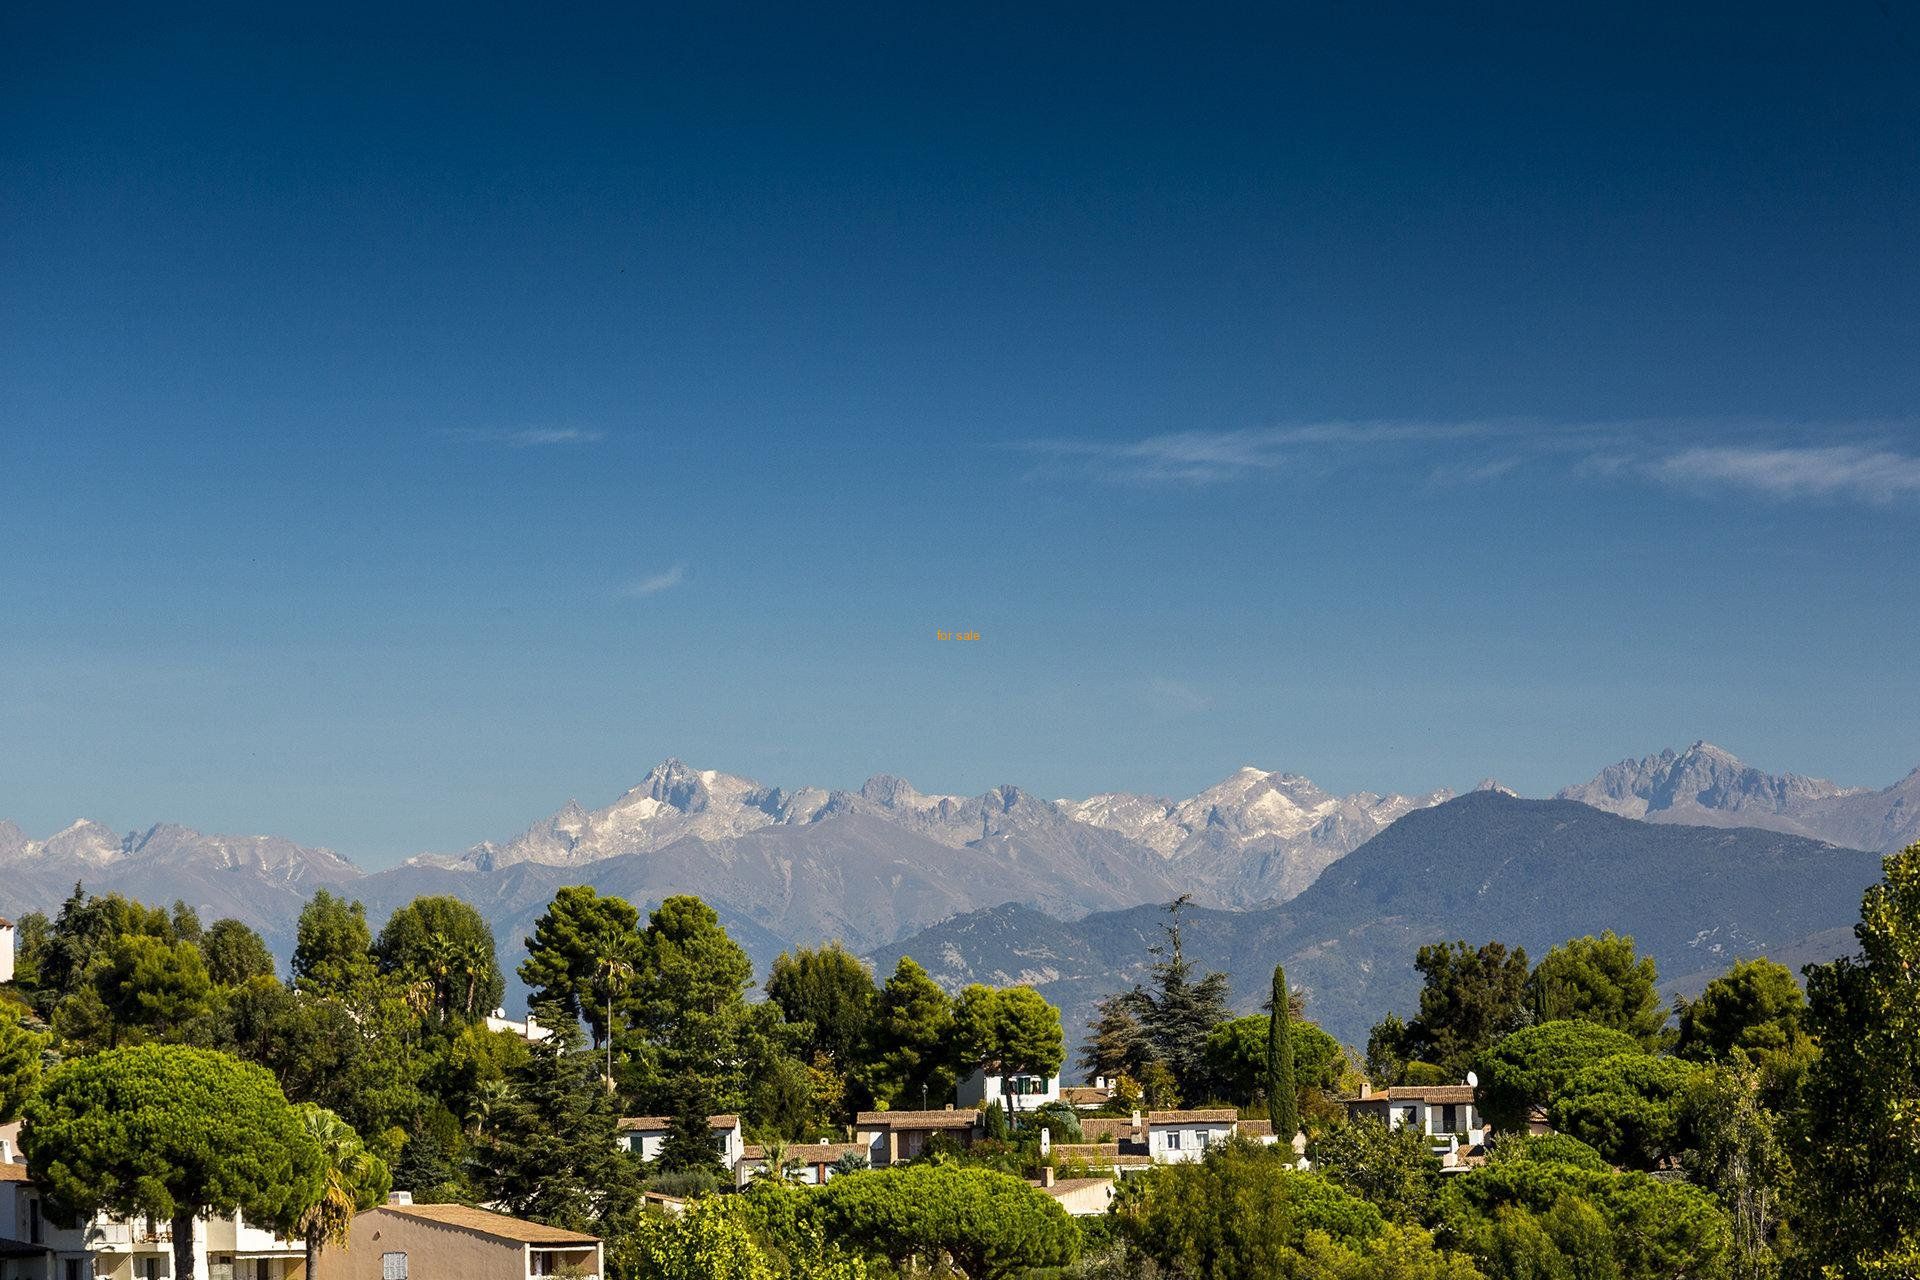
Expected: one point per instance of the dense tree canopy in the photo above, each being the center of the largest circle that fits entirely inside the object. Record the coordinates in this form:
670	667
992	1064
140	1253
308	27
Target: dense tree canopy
21	1048
909	1059
443	947
1858	1145
1472	996
235	953
173	1133
1602	980
333	950
1630	1107
1008	1031
1754	1009
831	991
990	1224
1529	1068
1236	1056
584	951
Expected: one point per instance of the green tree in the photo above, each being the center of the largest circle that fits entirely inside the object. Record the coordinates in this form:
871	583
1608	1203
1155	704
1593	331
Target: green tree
332	951
907	1061
1630	1107
138	987
1471	997
712	1240
172	1133
551	1151
1243	1211
234	953
21	1050
84	928
1176	1010
1602	980
1857	1151
1236	1058
583	952
992	1225
32	935
353	1180
1737	1155
442	943
690	1028
1008	1031
1529	1068
830	991
1116	1043
1393	1169
1754	1009
1653	1229
1283	1101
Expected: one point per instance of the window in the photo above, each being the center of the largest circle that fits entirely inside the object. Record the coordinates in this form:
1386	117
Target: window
33	1222
393	1266
74	1271
1173	1139
262	1269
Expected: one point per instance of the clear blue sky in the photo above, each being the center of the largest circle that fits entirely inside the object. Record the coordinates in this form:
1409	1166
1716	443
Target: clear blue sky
411	419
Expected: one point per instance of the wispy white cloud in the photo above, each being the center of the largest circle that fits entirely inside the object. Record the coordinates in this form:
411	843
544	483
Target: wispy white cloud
653	584
1759	458
1829	471
1207	457
1177	697
526	437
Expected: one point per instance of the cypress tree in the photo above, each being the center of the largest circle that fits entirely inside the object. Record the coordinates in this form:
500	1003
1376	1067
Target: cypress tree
1283	1103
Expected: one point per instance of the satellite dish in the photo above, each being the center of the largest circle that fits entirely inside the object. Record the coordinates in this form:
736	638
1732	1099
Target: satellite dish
1473	1081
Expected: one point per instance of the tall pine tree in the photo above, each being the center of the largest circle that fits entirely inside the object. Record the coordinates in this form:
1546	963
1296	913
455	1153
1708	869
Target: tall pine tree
1283	1100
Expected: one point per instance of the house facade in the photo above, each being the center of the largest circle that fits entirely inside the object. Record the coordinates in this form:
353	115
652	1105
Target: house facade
404	1241
1445	1113
1013	1093
894	1137
33	1247
6	949
1180	1137
646	1137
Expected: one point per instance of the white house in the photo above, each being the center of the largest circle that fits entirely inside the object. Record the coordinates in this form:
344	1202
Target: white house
645	1136
1013	1093
32	1247
6	949
1176	1137
892	1137
1445	1113
531	1031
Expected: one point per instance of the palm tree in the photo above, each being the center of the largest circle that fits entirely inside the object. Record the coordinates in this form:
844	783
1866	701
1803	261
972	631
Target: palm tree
356	1180
613	965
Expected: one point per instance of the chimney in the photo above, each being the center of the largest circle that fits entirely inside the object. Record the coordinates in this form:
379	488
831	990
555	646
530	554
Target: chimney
400	1197
6	1151
1046	1175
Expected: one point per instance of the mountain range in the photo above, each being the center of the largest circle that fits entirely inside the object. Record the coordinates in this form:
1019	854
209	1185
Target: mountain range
1531	873
887	862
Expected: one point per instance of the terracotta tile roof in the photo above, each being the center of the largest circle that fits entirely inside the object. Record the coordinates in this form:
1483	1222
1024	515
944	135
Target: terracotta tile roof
824	1152
662	1123
1102	1129
5	923
1088	1151
487	1223
917	1119
1256	1128
753	1151
1206	1115
14	1173
1085	1095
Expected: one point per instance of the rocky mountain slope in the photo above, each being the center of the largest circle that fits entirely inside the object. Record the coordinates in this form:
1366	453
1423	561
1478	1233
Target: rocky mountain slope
1255	837
1529	872
1706	786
